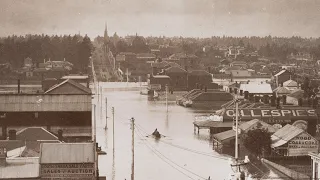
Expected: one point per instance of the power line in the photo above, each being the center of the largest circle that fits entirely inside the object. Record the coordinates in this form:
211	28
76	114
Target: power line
149	146
187	149
170	159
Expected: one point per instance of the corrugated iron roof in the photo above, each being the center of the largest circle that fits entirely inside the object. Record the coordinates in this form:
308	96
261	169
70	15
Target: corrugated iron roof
44	102
70	81
282	90
67	153
225	135
281	72
285	134
290	83
175	69
35	133
256	88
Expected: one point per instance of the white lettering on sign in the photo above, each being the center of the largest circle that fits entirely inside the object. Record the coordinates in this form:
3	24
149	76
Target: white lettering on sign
302	144
83	170
272	113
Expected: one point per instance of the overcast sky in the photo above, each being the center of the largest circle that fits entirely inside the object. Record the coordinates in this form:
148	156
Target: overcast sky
197	18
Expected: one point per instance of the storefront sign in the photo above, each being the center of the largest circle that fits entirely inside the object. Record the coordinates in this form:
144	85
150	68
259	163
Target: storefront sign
302	144
67	171
266	113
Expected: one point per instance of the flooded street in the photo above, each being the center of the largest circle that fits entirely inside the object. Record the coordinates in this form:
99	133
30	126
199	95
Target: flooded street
181	154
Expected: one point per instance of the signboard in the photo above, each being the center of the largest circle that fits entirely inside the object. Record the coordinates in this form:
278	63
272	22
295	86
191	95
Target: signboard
68	171
302	144
272	113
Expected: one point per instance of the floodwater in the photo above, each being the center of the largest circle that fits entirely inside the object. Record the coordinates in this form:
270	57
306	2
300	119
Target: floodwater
180	155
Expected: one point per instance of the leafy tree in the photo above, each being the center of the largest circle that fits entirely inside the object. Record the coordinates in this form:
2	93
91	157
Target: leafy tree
258	141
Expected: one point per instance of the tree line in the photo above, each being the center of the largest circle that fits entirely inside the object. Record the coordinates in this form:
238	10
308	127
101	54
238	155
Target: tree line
75	49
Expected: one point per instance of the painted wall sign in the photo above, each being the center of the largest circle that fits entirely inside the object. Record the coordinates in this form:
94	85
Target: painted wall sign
268	113
68	171
302	144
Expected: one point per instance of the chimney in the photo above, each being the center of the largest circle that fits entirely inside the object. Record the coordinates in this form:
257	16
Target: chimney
235	91
60	135
246	95
241	92
300	102
12	135
18	86
3	156
273	101
230	90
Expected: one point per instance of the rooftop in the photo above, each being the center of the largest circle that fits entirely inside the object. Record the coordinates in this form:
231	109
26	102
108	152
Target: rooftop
20	168
256	88
67	153
285	134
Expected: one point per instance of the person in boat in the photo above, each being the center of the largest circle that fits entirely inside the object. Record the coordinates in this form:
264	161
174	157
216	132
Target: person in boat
156	133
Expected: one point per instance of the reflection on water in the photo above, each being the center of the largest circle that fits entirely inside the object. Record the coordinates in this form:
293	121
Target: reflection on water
180	154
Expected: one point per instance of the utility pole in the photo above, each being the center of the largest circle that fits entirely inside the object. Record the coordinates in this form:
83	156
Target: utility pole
167	97
237	121
101	97
113	129
95	142
132	166
106	127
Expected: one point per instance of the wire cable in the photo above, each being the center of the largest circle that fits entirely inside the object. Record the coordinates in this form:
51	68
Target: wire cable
159	153
186	149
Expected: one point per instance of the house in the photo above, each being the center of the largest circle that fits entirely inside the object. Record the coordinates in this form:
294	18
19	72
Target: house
300	56
160	81
240	75
293	141
187	61
281	91
226	140
198	78
178	77
241	64
65	105
282	77
290	84
233	52
68	158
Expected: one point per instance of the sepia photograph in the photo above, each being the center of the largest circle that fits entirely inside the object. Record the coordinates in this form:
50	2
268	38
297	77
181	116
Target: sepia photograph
159	89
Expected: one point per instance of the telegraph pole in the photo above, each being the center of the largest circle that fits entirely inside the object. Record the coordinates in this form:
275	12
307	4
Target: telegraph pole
113	129
167	97
132	166
106	127
237	121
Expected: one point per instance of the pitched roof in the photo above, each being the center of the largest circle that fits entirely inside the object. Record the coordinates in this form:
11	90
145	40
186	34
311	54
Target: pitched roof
282	90
253	123
281	72
175	69
161	64
240	73
209	123
199	73
75	77
290	83
67	153
145	55
238	62
35	133
284	135
73	83
298	93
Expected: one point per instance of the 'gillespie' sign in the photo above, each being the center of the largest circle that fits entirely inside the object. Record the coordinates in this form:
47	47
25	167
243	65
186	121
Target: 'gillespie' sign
265	113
